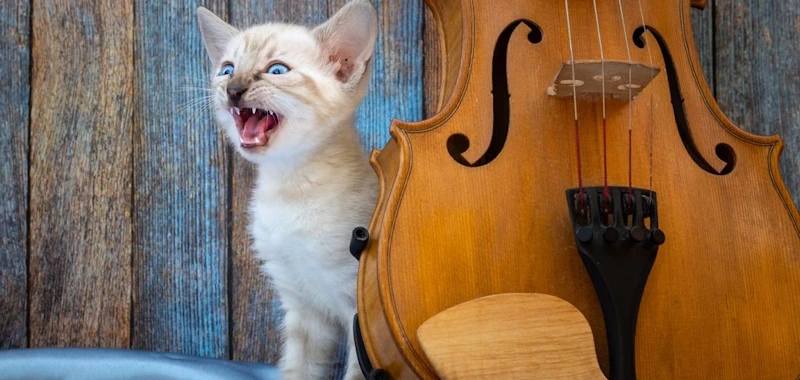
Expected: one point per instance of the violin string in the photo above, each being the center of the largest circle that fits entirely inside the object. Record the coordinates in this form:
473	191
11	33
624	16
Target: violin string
630	100
603	80
575	107
652	75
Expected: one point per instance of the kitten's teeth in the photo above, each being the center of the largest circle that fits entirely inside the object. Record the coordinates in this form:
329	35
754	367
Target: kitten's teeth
237	111
254	111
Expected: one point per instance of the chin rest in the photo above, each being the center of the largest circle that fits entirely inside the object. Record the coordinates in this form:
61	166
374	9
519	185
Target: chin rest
511	336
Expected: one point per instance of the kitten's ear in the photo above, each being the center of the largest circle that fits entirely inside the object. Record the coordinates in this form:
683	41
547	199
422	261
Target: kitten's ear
348	40
216	33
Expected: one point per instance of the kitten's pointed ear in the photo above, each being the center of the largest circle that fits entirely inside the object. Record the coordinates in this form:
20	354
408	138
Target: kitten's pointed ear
216	33
348	40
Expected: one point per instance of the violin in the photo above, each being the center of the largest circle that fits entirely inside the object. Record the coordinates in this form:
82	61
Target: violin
579	154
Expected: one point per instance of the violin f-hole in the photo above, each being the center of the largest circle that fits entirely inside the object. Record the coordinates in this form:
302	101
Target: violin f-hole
724	152
458	143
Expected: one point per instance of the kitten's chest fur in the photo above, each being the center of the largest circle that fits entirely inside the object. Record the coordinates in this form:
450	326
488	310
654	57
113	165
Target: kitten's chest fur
301	226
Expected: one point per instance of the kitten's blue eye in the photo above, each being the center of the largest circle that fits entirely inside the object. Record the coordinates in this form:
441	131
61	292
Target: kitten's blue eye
277	69
226	70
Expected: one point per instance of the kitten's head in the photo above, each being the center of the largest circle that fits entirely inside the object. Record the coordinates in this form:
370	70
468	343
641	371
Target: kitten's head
281	91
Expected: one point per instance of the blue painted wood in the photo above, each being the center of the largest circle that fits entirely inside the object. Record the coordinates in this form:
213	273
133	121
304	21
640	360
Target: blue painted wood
14	107
756	73
256	314
396	88
703	25
80	173
181	178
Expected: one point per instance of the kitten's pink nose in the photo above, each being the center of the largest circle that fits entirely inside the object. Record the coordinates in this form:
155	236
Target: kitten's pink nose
235	91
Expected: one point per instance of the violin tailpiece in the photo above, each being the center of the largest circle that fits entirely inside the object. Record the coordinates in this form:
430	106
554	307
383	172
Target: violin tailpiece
617	237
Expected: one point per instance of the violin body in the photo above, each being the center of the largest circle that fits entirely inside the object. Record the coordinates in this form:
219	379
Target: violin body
470	208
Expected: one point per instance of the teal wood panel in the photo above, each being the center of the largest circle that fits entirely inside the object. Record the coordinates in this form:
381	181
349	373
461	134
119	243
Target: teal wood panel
181	177
756	73
82	109
14	112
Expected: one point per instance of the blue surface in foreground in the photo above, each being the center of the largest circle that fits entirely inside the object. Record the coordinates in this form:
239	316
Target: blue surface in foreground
121	364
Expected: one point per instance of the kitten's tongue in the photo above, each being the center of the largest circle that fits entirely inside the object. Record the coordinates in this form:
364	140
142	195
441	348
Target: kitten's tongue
254	132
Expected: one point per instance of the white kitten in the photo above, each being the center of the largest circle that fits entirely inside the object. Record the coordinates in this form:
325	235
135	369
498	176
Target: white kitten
286	97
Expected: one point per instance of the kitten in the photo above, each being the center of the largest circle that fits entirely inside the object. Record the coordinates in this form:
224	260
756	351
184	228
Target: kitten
286	97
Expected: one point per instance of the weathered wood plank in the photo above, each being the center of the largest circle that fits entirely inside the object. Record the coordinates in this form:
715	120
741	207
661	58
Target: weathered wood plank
14	107
256	314
80	174
757	68
703	25
181	177
432	66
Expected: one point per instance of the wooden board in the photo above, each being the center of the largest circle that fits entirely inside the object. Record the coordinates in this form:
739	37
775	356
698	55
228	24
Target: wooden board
256	315
703	25
14	107
80	173
756	73
431	64
181	176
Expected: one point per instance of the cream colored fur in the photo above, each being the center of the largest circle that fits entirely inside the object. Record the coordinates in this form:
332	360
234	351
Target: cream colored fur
314	182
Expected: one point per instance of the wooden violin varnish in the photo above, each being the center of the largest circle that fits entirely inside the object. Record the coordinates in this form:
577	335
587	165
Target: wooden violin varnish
578	160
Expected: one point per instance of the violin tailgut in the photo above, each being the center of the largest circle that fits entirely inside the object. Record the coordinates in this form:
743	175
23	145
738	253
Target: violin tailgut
589	79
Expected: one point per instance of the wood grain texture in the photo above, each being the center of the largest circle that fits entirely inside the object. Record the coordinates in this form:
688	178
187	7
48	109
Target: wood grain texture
80	174
757	66
256	315
181	178
14	112
431	64
511	336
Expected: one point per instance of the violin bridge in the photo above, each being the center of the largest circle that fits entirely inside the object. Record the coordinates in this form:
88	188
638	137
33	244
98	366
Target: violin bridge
620	76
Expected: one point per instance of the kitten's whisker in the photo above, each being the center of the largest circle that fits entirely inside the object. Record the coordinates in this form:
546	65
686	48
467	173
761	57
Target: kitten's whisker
190	105
202	98
184	90
205	81
193	105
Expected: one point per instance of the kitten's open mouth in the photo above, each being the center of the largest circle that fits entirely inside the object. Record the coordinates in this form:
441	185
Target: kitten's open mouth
255	125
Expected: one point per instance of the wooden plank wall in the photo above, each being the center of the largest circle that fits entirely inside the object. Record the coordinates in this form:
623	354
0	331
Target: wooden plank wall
122	209
181	177
82	105
14	106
